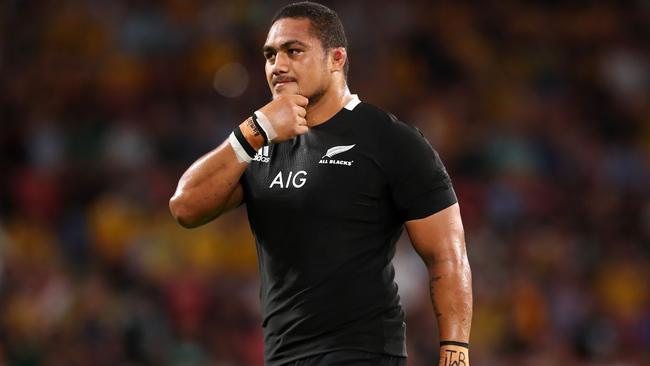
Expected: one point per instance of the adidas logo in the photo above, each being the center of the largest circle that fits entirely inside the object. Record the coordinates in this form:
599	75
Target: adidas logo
262	155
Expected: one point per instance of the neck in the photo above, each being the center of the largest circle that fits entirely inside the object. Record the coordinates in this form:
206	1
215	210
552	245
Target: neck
328	105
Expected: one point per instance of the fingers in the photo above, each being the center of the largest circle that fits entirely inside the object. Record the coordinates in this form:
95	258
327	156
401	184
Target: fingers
287	114
300	100
300	111
301	130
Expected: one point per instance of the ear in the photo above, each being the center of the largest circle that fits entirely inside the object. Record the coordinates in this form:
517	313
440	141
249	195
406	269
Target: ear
338	58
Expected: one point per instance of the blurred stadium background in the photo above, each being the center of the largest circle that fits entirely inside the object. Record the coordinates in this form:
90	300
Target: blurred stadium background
541	111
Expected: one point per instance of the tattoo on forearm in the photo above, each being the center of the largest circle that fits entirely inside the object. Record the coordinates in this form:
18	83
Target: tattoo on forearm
454	358
432	282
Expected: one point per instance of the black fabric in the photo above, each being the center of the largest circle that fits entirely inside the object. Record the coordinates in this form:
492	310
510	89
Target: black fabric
326	209
454	343
351	358
244	143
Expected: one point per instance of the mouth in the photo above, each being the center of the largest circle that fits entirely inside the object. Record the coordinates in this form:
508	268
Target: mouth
283	81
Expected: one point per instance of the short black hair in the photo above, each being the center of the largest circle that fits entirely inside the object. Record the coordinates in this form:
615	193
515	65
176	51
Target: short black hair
325	24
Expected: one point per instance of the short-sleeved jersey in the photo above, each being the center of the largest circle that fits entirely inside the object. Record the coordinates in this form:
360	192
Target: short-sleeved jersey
326	209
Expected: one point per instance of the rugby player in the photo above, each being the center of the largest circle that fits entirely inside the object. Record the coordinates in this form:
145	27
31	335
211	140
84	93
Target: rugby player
330	182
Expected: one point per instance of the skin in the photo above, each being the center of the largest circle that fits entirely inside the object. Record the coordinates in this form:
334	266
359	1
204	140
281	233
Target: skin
439	239
308	86
297	68
296	63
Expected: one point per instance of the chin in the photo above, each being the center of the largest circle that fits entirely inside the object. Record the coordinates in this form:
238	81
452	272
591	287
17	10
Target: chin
285	89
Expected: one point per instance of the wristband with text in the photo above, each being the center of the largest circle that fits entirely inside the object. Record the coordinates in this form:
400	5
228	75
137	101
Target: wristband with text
246	139
260	129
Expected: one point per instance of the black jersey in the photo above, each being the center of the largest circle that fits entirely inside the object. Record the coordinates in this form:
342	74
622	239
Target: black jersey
326	209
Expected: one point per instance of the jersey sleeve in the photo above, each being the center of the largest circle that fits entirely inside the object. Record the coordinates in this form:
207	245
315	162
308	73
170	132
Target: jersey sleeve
417	179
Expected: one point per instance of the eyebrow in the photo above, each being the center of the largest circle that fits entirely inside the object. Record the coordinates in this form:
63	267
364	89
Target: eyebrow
285	45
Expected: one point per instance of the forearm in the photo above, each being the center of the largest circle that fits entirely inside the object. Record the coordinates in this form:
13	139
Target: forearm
211	185
451	296
204	190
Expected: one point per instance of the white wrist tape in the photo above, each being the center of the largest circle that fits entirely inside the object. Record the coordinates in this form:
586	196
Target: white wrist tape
242	156
266	126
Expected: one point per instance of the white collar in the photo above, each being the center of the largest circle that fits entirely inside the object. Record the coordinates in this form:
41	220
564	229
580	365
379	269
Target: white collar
353	102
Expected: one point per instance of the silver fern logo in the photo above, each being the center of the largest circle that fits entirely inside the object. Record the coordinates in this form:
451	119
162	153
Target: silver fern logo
331	152
337	150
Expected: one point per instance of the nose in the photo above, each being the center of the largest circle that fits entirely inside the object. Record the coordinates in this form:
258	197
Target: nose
281	64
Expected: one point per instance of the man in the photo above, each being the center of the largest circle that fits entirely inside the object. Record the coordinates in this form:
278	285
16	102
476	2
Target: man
329	183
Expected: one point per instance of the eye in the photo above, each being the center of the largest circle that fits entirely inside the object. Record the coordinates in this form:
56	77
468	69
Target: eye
294	51
269	56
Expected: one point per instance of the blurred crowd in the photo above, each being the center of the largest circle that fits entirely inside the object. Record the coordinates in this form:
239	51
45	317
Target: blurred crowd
540	111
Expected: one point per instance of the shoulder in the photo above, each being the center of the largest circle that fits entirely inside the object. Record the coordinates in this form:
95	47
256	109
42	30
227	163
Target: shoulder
384	126
370	113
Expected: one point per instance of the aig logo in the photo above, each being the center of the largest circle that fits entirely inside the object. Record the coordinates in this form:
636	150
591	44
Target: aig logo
296	180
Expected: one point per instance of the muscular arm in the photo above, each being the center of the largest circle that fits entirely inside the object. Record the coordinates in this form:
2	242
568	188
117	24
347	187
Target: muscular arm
439	240
208	188
211	186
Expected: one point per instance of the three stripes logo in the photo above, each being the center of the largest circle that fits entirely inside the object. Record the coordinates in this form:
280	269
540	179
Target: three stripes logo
262	155
331	152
